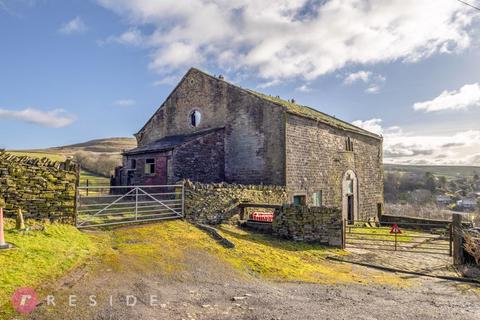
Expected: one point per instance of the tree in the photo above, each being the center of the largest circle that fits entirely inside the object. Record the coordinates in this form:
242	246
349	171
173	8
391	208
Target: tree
442	181
430	183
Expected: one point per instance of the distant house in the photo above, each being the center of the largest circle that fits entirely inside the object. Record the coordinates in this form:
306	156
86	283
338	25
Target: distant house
209	130
444	200
467	204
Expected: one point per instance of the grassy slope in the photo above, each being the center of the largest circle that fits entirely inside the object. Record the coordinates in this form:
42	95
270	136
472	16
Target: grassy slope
109	145
257	255
39	257
94	179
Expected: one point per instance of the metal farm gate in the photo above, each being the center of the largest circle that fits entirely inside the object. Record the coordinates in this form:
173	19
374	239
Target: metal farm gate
426	238
99	206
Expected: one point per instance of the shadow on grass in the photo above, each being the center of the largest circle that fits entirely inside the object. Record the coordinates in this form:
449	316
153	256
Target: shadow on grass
271	241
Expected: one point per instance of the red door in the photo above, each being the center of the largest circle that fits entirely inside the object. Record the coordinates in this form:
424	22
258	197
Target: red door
160	176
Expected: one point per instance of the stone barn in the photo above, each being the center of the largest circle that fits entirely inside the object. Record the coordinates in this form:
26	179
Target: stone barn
209	130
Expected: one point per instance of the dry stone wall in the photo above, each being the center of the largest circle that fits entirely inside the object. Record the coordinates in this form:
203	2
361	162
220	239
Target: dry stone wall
216	203
302	223
43	189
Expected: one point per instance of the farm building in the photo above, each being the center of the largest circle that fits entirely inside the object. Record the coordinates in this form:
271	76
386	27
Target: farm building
209	130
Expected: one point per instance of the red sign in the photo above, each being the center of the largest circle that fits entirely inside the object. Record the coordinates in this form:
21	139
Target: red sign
262	216
24	300
395	229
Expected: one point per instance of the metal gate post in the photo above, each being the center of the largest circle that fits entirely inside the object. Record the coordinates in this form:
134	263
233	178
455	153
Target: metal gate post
450	242
136	204
183	199
395	241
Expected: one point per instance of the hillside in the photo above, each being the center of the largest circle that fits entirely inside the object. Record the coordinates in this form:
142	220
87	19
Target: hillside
449	171
99	156
108	145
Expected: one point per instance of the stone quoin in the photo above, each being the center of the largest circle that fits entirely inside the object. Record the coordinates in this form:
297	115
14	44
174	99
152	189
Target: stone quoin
209	130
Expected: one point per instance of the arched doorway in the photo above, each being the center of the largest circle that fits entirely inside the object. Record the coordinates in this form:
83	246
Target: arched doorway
350	196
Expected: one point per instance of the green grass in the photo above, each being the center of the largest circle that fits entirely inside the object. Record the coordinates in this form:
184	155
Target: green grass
93	179
381	233
162	246
33	154
39	257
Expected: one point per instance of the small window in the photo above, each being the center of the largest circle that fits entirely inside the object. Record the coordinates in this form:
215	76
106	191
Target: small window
299	200
317	199
149	166
348	144
349	186
133	164
195	118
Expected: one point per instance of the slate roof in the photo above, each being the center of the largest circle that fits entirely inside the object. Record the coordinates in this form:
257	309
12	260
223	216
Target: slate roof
168	143
289	106
301	110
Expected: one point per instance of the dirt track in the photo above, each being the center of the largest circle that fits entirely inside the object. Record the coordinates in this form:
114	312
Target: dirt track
210	289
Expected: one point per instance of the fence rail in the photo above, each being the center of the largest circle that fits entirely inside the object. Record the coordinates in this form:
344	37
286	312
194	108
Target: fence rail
112	205
415	237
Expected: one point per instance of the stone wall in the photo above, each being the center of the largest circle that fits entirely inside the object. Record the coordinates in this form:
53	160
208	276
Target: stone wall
43	189
302	223
254	128
317	161
200	160
418	223
216	203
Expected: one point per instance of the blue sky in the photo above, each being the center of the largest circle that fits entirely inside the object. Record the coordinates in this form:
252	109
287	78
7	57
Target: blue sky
71	71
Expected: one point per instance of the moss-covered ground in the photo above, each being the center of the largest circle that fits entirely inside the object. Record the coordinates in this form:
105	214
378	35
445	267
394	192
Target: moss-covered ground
39	257
255	254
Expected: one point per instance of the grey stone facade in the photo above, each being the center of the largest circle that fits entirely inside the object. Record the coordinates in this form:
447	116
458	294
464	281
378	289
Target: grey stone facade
246	137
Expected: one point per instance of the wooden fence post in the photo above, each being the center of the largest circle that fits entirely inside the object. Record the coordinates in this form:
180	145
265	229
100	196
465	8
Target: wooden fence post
458	258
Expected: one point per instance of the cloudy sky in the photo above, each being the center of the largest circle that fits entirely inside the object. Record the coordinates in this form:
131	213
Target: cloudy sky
408	69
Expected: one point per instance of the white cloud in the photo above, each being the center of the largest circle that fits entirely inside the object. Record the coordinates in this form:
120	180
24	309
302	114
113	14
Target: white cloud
464	98
402	147
304	88
374	81
124	102
282	39
269	84
372	125
373	89
56	118
76	25
132	37
361	75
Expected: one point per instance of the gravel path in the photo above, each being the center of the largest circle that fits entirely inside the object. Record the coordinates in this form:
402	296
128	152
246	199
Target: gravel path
210	289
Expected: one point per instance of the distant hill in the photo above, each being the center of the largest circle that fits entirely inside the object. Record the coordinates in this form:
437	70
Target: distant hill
449	171
108	145
98	157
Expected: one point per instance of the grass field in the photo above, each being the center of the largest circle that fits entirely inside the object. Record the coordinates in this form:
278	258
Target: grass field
254	254
382	233
39	257
93	179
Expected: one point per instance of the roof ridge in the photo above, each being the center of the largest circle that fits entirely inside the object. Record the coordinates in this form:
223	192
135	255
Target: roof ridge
285	104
